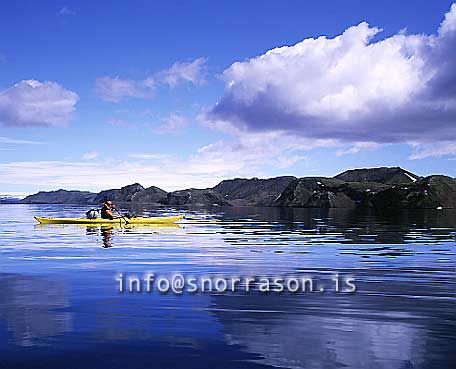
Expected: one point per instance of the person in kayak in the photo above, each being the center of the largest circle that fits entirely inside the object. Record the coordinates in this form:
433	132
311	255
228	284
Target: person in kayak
107	209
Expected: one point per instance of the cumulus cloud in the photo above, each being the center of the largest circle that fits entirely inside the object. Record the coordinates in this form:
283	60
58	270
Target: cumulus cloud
348	89
116	89
34	103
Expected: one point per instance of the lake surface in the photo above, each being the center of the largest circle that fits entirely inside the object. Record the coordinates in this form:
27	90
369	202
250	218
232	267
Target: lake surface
60	305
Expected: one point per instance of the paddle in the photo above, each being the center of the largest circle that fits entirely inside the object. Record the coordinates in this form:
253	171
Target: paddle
121	215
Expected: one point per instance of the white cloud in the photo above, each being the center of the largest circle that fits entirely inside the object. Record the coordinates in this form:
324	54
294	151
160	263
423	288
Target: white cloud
34	103
90	155
19	195
150	156
168	174
247	156
116	89
357	147
253	154
348	89
254	149
433	150
116	122
172	124
286	161
14	141
66	11
448	26
184	72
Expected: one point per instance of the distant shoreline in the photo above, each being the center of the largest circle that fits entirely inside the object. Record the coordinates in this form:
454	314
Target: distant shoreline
383	187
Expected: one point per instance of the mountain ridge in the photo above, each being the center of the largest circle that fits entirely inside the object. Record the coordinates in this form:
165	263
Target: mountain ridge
382	187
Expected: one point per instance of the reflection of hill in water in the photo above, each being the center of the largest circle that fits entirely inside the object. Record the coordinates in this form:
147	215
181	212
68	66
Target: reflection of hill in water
353	344
374	328
29	307
346	225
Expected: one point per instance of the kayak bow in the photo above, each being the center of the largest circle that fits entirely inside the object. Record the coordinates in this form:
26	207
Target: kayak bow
99	221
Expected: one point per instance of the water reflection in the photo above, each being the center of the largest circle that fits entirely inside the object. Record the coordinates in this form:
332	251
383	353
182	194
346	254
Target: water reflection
341	225
32	308
106	234
402	316
244	226
383	327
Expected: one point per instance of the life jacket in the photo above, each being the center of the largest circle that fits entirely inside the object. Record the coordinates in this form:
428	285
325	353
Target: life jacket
106	212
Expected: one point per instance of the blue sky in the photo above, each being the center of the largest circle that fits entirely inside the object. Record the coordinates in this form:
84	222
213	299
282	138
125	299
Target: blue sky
180	94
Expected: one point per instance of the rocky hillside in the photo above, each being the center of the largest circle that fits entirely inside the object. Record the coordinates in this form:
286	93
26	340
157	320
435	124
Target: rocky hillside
195	197
321	192
151	195
385	175
124	194
315	192
428	193
134	193
375	188
60	197
253	192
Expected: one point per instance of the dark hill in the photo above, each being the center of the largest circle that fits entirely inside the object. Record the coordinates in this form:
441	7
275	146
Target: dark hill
321	192
195	197
385	175
428	193
60	197
253	192
151	195
376	187
124	194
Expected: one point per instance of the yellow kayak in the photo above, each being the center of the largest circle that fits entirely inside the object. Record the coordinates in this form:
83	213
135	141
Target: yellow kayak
117	221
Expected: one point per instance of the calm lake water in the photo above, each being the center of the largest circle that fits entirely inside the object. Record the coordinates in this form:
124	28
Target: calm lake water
60	306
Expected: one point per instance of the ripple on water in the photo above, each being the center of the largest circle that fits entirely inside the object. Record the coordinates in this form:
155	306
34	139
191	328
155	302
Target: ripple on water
56	286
